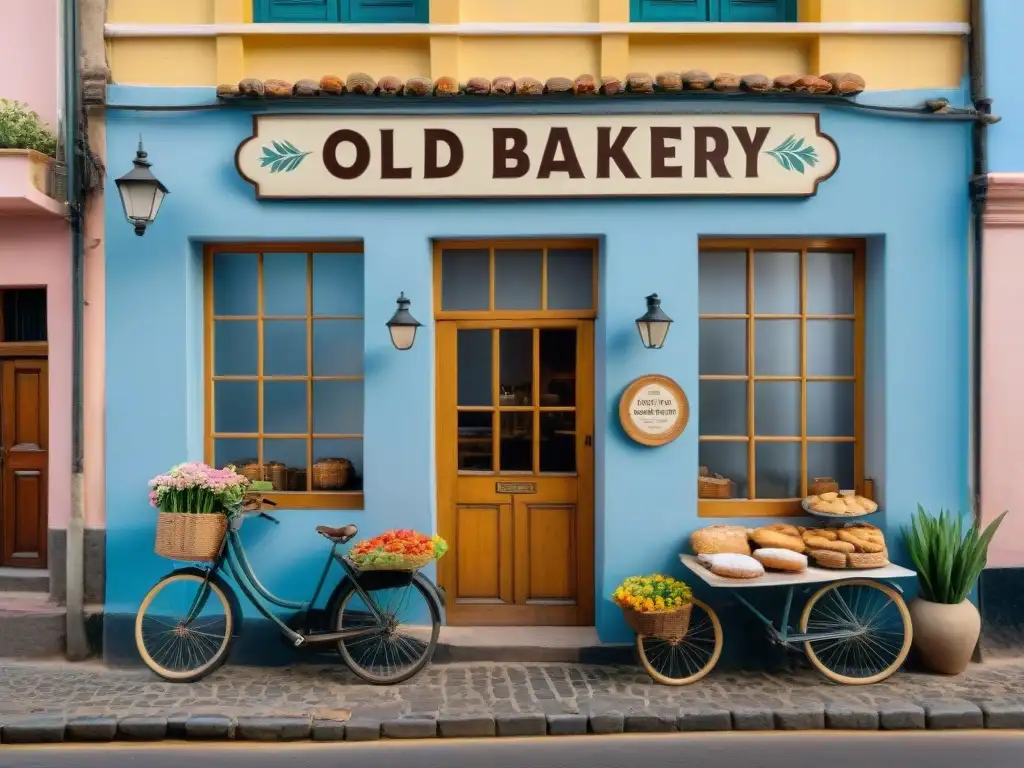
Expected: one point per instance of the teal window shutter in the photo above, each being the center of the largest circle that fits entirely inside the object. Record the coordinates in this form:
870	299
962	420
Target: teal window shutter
757	10
668	10
386	11
288	11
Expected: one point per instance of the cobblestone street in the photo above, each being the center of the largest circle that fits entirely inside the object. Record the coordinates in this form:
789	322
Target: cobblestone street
469	689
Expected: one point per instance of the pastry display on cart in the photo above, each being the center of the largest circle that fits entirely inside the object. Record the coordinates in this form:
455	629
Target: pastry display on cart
732	566
847	612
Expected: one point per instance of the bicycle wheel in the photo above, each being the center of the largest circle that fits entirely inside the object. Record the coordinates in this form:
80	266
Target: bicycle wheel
681	662
402	641
878	622
185	651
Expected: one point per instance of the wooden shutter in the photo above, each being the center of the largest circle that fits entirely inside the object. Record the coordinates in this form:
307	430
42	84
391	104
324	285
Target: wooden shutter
757	10
386	11
286	11
669	10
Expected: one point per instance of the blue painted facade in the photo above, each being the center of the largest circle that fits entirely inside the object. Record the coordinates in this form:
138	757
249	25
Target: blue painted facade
901	184
1003	22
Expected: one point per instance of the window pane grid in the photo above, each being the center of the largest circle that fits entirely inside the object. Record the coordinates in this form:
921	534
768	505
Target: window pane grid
525	437
261	439
752	378
564	285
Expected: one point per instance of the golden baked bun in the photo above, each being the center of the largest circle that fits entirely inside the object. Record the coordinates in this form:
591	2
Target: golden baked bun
781	559
771	536
717	539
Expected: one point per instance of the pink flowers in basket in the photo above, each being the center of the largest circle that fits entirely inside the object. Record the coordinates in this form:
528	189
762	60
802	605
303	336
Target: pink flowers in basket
196	488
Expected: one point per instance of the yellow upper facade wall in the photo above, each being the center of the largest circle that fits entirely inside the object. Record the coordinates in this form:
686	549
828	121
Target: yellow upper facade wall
887	62
512	11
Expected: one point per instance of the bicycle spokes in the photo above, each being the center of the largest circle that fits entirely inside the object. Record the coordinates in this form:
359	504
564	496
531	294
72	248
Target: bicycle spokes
400	638
864	629
680	661
180	629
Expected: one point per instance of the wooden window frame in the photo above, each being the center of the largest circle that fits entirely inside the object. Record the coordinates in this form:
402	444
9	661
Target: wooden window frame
717	11
12	349
752	508
513	314
285	500
338	11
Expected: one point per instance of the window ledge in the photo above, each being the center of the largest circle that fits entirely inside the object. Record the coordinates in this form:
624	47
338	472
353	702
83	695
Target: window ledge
320	500
495	29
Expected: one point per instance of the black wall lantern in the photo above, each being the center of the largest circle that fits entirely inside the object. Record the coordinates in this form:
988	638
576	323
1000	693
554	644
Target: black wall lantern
403	325
141	193
654	324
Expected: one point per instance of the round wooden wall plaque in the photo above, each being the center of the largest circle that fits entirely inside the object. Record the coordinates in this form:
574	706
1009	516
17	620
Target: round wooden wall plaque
654	410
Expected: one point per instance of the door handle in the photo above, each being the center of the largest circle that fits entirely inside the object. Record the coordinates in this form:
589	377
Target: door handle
588	440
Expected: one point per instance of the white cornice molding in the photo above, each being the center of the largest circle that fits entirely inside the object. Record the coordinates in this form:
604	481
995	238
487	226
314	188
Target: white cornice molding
569	29
1004	201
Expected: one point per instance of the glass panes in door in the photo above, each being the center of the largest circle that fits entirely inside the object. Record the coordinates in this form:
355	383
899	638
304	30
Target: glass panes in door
524	279
517	400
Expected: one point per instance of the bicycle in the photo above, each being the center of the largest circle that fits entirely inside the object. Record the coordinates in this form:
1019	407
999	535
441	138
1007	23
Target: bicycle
855	629
189	648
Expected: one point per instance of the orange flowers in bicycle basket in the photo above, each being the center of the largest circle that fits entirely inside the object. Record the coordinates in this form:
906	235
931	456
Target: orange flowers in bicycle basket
397	550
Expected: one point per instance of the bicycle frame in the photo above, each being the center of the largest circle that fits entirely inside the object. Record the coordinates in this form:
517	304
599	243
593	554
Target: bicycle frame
233	555
783	634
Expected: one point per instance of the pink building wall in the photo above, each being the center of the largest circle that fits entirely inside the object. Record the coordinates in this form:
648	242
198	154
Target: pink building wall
35	251
30	55
1002	368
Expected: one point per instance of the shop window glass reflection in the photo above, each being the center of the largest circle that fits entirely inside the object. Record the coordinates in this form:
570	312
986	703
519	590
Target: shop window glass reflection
779	372
286	368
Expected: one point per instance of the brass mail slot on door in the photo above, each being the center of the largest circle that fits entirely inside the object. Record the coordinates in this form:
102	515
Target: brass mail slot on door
515	487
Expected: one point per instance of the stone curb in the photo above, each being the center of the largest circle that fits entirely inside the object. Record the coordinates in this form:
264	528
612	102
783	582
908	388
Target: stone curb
894	715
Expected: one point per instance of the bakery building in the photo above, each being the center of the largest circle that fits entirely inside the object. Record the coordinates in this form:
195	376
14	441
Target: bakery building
809	253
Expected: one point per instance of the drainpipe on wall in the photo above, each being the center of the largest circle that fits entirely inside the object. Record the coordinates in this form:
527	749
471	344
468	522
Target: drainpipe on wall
978	192
77	642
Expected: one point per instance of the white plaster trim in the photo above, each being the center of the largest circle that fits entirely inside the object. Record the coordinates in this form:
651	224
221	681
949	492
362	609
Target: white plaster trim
572	29
1004	203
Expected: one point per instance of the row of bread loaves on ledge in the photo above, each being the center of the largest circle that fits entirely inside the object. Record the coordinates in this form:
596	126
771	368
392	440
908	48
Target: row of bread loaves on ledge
360	83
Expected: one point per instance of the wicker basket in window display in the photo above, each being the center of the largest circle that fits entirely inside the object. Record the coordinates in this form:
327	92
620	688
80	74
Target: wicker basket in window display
820	485
251	469
331	474
296	479
277	474
713	486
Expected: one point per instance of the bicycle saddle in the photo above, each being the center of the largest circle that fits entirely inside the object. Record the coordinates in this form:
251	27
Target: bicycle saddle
338	535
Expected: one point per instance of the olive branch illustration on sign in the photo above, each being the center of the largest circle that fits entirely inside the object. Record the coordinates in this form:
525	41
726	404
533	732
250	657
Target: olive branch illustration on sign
793	154
284	157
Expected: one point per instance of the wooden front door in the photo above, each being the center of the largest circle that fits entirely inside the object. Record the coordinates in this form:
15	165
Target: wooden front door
24	426
515	462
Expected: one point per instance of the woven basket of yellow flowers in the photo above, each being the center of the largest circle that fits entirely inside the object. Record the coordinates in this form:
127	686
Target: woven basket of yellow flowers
655	606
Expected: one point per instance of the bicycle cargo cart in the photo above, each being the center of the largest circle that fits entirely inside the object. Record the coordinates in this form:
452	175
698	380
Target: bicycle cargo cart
855	628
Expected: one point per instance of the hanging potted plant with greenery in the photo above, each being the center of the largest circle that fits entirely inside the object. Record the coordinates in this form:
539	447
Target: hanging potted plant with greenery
946	624
21	128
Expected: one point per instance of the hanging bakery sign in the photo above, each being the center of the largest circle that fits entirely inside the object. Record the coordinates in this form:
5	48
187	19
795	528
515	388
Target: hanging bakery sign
479	156
654	410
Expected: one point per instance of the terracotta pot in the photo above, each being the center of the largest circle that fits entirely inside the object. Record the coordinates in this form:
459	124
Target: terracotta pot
945	635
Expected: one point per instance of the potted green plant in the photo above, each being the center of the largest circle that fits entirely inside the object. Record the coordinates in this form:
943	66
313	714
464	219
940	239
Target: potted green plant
21	128
946	624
